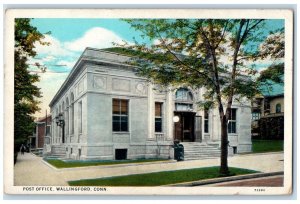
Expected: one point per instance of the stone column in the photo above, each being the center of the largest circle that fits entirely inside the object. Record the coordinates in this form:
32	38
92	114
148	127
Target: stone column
150	112
169	115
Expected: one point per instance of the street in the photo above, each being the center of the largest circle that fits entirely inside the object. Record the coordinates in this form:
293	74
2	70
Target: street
272	181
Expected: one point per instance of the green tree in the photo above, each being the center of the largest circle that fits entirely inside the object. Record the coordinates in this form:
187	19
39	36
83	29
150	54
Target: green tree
273	48
26	94
210	53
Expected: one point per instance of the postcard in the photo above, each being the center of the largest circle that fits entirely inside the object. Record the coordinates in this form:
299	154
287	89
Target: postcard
148	101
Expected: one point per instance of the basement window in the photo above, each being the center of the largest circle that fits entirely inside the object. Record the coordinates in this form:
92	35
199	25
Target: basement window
121	154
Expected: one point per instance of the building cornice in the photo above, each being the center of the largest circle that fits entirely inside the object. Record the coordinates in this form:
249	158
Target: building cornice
96	60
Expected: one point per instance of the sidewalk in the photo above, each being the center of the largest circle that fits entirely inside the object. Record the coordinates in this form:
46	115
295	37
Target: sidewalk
32	170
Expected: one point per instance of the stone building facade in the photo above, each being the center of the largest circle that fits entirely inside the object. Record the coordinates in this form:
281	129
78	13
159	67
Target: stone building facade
111	113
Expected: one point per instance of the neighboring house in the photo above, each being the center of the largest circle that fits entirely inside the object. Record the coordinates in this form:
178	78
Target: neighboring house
268	114
104	110
42	133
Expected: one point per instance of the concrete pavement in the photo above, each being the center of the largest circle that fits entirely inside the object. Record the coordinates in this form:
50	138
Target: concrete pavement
31	170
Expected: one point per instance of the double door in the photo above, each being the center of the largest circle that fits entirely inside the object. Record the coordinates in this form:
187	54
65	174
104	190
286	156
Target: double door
188	128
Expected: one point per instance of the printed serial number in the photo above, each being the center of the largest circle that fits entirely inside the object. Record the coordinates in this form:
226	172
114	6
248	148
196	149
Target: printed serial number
259	189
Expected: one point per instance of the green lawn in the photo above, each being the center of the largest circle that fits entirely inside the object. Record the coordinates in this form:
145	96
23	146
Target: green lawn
75	163
160	178
259	146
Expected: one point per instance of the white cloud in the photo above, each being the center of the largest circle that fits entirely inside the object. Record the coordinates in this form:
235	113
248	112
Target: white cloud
66	53
55	49
95	37
68	64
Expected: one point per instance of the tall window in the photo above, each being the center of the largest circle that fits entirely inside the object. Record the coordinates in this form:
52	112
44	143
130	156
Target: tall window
158	117
80	116
206	121
232	121
120	115
278	108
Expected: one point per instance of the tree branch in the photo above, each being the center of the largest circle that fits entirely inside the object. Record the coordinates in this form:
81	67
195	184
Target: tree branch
181	62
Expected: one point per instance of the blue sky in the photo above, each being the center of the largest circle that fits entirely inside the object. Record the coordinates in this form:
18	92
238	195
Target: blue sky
70	36
69	28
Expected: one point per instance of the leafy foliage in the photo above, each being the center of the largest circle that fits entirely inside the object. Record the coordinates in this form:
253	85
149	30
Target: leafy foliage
209	53
274	73
272	48
25	92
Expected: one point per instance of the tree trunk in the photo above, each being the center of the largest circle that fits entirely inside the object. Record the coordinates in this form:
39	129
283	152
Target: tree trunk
224	148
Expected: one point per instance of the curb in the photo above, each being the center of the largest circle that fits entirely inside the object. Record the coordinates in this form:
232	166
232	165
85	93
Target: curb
226	179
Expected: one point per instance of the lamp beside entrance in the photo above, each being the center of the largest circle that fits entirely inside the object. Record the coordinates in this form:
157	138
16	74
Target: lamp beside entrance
176	119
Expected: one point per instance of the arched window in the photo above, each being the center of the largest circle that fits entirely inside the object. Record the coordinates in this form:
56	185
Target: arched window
183	94
183	100
72	113
278	108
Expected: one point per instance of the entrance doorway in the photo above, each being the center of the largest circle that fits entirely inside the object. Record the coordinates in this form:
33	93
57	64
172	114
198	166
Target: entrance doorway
184	128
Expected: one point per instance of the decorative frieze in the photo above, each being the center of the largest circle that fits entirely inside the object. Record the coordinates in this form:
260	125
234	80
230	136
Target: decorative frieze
99	82
121	85
141	88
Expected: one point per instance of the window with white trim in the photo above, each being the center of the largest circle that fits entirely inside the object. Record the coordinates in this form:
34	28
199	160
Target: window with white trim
206	121
232	121
158	116
120	115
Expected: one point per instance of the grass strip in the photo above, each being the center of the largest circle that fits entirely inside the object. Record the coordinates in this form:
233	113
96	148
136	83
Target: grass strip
160	178
260	146
72	164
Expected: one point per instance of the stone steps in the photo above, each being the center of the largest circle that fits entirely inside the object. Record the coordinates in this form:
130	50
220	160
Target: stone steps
197	151
58	151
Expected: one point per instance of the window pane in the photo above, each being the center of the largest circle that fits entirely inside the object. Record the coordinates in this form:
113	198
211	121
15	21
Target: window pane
124	107
158	109
124	126
116	123
179	94
116	106
232	127
124	119
158	124
233	113
116	126
124	123
206	126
